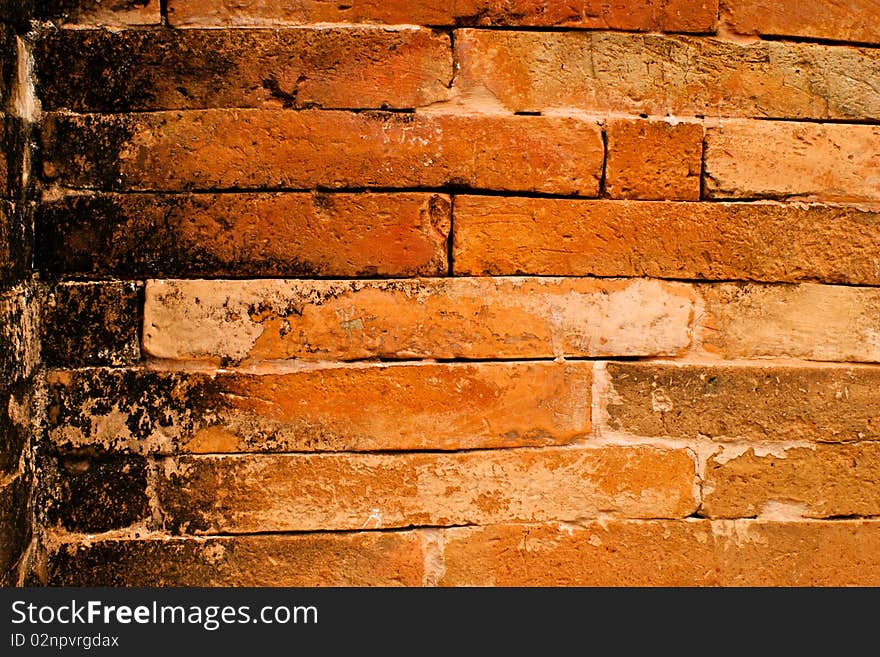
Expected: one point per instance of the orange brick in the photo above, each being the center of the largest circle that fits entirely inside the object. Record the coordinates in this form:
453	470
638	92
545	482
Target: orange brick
751	401
309	560
754	241
312	148
347	67
815	482
767	159
122	13
653	160
301	492
372	407
660	75
648	15
282	234
815	322
416	318
665	553
854	20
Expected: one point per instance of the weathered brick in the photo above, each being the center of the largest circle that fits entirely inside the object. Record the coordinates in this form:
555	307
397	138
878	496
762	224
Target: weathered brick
112	13
13	135
19	334
711	241
373	407
352	67
21	414
656	74
140	235
748	402
815	322
106	315
415	318
95	492
293	492
15	526
304	560
665	553
653	160
8	63
313	148
647	15
817	482
782	159
854	20
16	239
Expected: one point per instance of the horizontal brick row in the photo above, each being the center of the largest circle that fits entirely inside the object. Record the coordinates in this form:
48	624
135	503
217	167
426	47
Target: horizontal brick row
308	149
415	318
606	553
405	234
648	15
446	318
372	407
116	13
655	74
221	149
356	67
454	406
302	492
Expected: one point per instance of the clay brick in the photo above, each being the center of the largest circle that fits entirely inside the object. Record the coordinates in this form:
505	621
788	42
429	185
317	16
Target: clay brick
646	15
21	415
19	334
106	315
749	402
15	526
8	64
112	13
373	407
653	160
817	482
659	75
750	159
711	241
140	235
294	492
94	493
16	239
305	560
665	553
815	322
313	148
415	318
352	67
13	138
854	20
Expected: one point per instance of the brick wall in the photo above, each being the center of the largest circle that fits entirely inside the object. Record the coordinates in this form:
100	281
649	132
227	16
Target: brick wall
448	293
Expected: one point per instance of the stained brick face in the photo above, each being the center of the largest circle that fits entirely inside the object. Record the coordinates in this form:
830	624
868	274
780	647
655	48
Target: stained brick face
432	293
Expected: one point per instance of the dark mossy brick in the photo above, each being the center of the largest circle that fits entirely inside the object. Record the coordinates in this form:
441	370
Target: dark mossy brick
84	150
19	334
93	491
8	66
19	413
15	526
15	137
16	239
92	323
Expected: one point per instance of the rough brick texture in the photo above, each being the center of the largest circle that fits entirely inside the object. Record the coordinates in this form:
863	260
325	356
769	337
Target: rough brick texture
307	149
359	408
244	493
649	15
655	74
460	318
439	292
